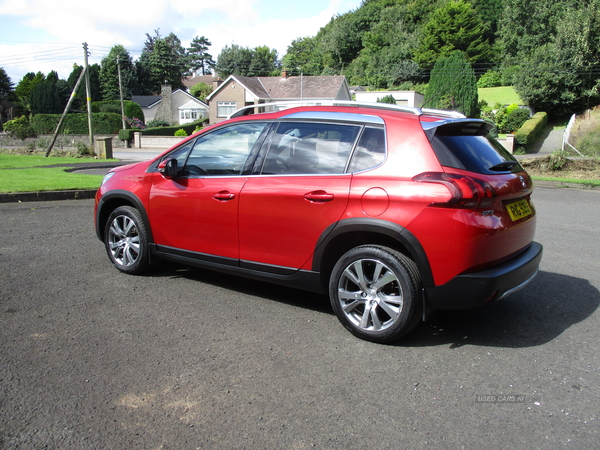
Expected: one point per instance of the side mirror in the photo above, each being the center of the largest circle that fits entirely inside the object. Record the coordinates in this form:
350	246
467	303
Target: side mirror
168	168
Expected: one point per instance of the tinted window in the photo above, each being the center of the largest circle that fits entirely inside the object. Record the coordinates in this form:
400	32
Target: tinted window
473	153
223	151
370	151
304	148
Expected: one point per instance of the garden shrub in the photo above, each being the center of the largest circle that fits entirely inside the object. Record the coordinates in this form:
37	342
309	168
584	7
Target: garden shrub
387	99
20	128
180	132
530	132
127	135
490	79
157	123
102	123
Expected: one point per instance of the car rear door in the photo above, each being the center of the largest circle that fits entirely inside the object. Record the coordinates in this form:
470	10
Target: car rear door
299	190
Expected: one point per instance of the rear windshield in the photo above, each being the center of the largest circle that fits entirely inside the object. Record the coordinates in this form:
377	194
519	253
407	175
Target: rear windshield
479	154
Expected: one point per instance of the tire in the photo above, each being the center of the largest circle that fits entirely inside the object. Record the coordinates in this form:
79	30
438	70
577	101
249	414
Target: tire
375	293
126	240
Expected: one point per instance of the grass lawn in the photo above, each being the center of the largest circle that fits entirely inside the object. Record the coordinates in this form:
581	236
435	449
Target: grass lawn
22	173
505	95
23	161
45	179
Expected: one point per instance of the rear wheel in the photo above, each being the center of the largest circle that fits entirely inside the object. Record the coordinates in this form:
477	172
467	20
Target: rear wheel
375	293
126	240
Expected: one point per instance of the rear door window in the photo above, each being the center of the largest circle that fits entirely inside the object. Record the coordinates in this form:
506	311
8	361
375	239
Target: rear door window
310	148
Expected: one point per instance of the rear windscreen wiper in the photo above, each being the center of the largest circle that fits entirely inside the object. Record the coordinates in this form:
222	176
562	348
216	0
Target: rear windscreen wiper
506	165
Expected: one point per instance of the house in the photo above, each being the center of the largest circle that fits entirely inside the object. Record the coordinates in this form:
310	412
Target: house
404	98
236	92
177	107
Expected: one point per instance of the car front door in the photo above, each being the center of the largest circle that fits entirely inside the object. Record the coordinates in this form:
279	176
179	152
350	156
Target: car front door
196	212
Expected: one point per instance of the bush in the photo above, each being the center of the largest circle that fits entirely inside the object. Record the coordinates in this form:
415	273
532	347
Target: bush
20	128
180	132
157	123
135	123
387	99
131	109
102	123
585	135
530	132
127	135
490	79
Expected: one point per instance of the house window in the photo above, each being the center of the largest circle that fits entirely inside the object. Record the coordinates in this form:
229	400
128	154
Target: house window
225	109
189	114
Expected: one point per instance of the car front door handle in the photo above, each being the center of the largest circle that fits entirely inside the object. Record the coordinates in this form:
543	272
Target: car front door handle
223	196
318	197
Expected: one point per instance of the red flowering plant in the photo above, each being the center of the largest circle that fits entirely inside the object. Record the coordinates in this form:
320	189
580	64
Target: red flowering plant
136	123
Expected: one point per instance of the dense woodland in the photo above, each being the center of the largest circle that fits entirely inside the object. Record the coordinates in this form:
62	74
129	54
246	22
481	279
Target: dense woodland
549	50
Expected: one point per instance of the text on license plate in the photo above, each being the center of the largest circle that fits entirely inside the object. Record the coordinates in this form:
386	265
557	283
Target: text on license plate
518	210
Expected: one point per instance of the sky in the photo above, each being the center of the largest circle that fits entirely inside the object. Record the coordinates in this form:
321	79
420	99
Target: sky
44	35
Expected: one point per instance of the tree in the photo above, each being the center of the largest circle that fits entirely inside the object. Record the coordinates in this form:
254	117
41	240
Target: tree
79	103
563	76
109	74
304	57
49	96
201	90
526	25
163	61
200	60
6	93
264	62
24	89
454	26
453	85
234	60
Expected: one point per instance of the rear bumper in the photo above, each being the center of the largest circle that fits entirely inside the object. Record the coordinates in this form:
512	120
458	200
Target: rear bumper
477	288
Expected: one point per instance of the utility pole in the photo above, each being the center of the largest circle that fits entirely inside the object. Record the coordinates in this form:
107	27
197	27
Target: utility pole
62	118
121	94
88	93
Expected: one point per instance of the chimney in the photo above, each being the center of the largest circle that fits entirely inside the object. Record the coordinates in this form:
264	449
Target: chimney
284	73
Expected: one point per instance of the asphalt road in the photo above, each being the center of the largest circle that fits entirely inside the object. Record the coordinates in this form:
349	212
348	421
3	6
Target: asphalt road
186	359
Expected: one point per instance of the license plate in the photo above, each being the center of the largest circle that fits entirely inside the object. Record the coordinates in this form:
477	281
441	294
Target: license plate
518	210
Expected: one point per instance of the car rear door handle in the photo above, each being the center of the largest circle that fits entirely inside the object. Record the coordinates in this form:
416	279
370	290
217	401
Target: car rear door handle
223	196
318	197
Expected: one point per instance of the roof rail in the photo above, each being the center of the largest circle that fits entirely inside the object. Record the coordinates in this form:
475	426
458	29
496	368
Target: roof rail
278	106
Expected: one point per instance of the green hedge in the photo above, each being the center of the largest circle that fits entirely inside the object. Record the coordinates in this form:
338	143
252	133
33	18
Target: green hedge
131	109
102	123
127	135
531	131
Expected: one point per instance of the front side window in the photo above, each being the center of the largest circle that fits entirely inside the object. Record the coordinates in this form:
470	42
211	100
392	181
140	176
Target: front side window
305	148
223	151
225	109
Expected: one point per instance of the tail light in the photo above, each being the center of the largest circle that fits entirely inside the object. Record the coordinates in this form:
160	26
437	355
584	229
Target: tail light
466	191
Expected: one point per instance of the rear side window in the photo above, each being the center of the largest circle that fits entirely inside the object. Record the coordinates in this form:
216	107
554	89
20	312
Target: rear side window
306	148
474	153
370	151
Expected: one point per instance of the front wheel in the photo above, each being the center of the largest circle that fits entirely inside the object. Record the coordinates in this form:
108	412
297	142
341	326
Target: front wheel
375	293
126	240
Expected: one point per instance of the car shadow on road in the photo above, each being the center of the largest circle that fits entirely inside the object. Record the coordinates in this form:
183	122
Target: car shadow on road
539	313
283	294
